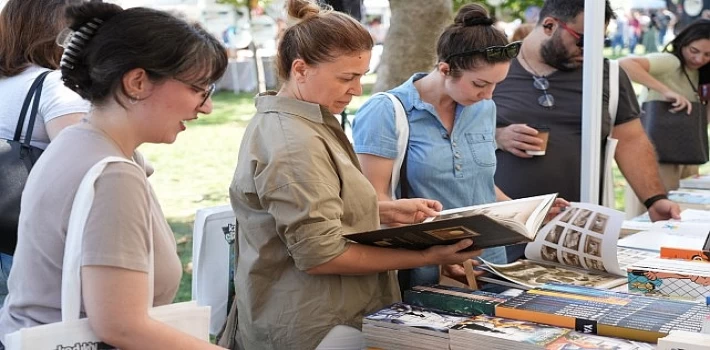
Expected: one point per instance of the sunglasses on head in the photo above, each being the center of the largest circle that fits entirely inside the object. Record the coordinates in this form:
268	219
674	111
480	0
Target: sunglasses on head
492	53
575	34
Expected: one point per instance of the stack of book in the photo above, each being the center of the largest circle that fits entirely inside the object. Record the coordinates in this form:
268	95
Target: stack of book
501	333
684	341
455	300
402	326
603	312
691	199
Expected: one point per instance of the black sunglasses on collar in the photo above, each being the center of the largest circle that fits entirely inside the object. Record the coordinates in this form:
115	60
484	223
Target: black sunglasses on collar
492	53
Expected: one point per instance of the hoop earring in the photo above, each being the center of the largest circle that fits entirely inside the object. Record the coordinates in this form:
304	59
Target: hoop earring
133	100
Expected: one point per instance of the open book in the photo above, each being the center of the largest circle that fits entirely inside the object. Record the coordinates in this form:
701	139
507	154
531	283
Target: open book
578	247
488	225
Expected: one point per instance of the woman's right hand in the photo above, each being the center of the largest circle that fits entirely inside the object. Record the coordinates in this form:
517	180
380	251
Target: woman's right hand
678	101
450	254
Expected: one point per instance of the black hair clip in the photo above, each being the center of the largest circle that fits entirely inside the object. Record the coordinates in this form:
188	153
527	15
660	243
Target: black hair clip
478	22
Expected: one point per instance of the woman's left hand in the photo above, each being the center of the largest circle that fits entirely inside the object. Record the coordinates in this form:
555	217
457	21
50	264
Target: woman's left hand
408	211
559	205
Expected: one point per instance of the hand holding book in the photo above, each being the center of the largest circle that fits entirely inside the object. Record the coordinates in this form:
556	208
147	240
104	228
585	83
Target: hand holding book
407	211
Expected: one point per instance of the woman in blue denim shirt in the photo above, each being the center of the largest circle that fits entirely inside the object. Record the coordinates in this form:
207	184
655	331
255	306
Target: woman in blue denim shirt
451	152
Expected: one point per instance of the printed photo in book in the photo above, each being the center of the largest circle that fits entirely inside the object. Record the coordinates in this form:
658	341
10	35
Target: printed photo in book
488	225
577	247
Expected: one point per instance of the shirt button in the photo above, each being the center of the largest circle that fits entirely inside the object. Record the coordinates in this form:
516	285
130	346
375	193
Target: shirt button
454	144
457	155
458	167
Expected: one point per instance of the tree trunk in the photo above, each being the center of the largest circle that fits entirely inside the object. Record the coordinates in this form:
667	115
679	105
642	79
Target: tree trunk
410	45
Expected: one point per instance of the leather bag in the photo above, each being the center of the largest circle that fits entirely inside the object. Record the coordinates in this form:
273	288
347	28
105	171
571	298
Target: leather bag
679	138
16	159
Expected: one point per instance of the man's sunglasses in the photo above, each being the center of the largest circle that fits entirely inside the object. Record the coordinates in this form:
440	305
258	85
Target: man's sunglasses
575	34
492	53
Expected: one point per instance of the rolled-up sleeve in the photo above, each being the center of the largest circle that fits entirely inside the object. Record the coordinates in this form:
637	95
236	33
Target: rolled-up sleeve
307	216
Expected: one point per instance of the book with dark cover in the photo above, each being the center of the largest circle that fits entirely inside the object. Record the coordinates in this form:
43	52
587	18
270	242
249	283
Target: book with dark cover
452	299
604	312
488	225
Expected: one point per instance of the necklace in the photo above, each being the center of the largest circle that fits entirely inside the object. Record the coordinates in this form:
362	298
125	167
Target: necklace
695	89
527	65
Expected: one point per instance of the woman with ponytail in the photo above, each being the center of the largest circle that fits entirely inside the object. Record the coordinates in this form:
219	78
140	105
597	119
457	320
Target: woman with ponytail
141	91
450	156
298	189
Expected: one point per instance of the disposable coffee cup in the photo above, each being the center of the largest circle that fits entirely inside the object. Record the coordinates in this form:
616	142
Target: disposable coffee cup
543	133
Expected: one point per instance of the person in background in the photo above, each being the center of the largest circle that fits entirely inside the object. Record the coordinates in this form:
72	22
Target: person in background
544	86
140	93
674	75
28	29
451	150
522	31
298	189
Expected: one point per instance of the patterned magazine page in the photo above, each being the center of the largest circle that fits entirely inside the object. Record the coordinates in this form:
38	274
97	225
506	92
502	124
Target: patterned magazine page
584	236
533	274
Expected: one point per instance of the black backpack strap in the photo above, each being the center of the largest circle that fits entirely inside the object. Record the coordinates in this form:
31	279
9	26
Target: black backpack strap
35	91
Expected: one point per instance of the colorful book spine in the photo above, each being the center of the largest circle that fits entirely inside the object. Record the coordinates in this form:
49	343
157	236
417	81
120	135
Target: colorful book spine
605	313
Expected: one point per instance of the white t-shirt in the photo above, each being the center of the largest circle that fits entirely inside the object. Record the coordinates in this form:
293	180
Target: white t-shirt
56	100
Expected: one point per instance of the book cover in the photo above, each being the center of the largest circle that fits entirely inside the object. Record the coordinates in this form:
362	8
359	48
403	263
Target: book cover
453	299
488	225
674	278
484	328
401	315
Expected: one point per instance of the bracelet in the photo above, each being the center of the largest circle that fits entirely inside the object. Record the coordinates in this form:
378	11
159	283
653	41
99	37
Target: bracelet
649	202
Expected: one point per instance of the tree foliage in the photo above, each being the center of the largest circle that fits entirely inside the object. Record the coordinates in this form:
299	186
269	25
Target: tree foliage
510	9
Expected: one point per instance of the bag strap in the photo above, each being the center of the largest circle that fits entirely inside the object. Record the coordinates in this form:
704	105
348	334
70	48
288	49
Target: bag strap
71	266
613	92
35	91
399	169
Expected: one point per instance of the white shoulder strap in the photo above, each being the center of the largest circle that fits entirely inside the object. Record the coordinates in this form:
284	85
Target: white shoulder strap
71	266
402	125
613	92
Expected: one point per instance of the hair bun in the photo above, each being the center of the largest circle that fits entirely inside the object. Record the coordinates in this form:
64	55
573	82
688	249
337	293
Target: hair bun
473	15
301	10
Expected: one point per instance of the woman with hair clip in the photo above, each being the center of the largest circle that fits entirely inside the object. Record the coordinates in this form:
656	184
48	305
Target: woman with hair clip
140	93
298	189
678	75
28	29
451	152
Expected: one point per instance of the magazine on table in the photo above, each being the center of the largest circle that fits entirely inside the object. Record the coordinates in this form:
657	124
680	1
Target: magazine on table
488	225
670	234
577	247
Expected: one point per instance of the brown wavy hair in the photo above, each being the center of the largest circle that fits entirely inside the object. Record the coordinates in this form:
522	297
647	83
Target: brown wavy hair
28	29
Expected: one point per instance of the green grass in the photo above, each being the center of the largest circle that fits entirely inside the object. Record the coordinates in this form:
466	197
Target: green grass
196	170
